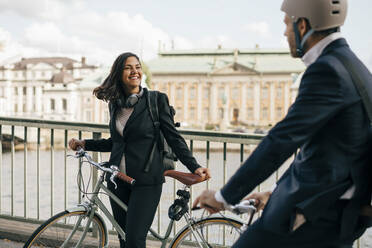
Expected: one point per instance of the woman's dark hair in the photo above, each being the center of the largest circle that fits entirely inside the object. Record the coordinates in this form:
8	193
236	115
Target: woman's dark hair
112	87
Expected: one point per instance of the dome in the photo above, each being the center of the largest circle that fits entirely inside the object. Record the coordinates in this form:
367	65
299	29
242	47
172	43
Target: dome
62	78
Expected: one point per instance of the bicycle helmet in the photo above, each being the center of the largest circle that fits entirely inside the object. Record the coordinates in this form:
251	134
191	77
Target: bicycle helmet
321	14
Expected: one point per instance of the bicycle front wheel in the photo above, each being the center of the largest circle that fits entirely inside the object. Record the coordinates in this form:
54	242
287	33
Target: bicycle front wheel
209	232
66	229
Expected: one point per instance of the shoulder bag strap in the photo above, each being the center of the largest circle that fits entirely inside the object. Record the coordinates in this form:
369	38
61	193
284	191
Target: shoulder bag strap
152	104
359	84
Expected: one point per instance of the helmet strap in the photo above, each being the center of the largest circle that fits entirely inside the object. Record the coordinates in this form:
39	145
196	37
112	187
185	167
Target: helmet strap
300	43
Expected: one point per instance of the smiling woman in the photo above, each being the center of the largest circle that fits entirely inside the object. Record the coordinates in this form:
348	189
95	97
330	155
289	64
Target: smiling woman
133	134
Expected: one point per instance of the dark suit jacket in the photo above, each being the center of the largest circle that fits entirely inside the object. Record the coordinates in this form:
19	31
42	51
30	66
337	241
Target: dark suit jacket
137	142
329	124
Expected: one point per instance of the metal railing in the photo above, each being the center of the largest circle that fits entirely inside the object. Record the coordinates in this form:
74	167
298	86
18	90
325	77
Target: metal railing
43	136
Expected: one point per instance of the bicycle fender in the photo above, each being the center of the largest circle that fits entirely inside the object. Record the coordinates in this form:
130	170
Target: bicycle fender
82	208
212	216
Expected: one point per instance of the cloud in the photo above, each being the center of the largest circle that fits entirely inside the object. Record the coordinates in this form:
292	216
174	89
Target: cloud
215	41
261	28
67	28
98	36
11	49
41	9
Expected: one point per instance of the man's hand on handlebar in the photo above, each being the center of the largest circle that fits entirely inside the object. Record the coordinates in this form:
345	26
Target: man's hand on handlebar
74	144
208	201
261	199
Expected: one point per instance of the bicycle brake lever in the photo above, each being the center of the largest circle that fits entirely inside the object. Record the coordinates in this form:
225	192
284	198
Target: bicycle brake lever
112	177
74	156
114	173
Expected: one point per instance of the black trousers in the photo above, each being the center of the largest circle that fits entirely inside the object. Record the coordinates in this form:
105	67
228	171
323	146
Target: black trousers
323	233
142	202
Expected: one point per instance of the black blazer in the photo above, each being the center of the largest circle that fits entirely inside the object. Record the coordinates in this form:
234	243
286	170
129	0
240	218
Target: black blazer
137	141
329	124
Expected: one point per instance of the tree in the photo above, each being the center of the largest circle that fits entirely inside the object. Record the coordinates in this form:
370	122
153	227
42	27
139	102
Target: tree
147	72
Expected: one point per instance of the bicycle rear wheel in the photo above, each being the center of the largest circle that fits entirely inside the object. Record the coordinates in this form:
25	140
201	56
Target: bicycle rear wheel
65	230
209	232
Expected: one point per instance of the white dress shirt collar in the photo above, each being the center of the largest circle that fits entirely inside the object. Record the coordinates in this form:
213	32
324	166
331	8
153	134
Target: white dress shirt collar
316	50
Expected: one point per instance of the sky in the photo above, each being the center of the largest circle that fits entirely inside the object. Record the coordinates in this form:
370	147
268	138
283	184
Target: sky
101	30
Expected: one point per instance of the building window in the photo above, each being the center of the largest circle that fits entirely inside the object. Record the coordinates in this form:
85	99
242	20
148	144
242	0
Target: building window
64	104
250	113
52	104
250	93
221	93
279	92
192	113
179	93
16	91
24	108
24	74
206	113
87	99
265	93
265	113
34	90
235	93
278	113
179	114
192	93
207	92
106	116
24	91
88	115
235	114
220	113
16	107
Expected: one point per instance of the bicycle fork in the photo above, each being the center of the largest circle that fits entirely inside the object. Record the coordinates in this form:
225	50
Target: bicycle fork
201	240
76	227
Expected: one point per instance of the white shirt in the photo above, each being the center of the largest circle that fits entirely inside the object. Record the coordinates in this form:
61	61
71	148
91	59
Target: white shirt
310	57
314	52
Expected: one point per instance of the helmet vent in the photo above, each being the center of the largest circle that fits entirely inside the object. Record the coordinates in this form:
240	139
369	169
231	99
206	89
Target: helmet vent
335	1
335	12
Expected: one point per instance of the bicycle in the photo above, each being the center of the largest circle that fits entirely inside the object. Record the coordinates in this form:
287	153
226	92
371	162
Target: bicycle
83	226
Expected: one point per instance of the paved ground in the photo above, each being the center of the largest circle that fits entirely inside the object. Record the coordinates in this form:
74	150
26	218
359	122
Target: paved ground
4	243
20	231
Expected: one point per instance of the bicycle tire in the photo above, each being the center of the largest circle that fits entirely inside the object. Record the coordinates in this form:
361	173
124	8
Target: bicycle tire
54	231
217	231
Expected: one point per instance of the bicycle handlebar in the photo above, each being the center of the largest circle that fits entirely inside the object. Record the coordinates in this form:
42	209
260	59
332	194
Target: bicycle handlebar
245	206
113	170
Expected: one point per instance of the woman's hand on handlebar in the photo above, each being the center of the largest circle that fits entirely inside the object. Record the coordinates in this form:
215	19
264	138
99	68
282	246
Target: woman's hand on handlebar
261	199
203	172
74	144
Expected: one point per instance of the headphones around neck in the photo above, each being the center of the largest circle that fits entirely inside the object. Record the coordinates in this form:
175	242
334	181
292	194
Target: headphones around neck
131	100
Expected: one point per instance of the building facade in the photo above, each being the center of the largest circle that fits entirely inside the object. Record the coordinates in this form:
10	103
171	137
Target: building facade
42	87
227	88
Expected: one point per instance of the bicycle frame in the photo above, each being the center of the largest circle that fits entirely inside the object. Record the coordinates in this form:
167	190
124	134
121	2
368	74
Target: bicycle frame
92	210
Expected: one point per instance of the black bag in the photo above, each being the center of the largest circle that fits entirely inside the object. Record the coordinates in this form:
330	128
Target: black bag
167	154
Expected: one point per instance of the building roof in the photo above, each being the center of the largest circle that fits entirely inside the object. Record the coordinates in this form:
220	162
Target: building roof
210	61
66	63
62	78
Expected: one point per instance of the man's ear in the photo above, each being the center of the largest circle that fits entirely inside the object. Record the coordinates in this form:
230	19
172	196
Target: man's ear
302	26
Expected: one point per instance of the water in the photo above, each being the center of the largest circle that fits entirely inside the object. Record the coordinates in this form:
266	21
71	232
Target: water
216	165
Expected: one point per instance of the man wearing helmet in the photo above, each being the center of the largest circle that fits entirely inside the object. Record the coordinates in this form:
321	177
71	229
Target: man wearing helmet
317	201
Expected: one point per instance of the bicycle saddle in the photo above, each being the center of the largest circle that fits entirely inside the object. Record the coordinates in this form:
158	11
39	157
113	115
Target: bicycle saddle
185	178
